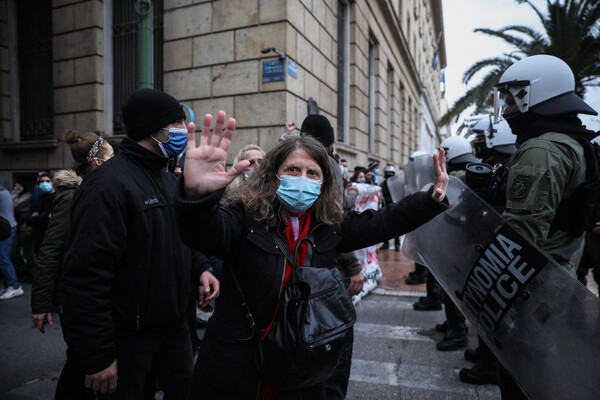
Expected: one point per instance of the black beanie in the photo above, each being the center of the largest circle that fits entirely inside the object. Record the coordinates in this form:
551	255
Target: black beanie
318	127
147	111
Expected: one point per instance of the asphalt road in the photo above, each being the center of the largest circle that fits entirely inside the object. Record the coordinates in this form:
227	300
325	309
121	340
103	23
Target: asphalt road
394	354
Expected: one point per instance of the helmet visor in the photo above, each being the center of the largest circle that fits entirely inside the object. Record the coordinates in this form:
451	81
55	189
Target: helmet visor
499	105
509	95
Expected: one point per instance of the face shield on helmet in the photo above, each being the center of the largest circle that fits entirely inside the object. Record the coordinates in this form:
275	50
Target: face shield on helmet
497	136
510	99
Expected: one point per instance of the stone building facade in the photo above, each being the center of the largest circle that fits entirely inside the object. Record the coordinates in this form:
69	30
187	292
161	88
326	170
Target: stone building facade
368	65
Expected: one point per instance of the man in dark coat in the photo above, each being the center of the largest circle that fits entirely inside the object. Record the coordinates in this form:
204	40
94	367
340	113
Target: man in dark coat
319	127
126	276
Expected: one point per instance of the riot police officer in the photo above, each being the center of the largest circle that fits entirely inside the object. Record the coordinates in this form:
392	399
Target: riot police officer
494	144
541	107
458	155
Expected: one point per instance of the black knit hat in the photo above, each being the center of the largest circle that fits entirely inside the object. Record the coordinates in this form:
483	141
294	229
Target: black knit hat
148	110
318	127
46	174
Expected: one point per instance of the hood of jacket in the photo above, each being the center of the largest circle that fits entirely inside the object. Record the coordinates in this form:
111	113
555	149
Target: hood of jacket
66	178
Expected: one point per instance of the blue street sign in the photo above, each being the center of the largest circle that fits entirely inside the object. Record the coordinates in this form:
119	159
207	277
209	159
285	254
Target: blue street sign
292	68
273	71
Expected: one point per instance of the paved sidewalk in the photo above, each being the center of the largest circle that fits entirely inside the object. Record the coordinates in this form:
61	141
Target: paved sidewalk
395	268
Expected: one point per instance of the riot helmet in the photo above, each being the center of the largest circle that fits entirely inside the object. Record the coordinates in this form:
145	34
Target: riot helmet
496	136
418	153
458	150
542	84
389	170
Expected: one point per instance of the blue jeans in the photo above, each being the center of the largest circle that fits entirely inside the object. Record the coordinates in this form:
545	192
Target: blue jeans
6	265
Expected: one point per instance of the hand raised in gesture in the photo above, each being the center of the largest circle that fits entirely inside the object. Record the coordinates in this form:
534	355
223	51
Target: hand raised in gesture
440	184
205	164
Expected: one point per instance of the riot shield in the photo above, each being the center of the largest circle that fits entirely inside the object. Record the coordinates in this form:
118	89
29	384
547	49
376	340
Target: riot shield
417	173
541	323
410	178
396	186
424	171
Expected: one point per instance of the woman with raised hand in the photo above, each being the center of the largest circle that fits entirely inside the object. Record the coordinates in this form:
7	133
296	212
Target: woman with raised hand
292	195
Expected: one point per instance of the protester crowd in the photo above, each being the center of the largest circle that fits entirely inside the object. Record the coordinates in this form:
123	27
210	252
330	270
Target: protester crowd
130	246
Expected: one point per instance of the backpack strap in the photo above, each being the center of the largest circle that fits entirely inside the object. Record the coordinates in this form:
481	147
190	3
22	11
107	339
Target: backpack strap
293	259
248	315
582	209
284	250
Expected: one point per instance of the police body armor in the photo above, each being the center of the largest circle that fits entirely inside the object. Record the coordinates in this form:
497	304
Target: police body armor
541	323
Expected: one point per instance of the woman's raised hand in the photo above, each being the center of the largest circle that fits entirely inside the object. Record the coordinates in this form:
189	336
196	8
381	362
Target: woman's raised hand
204	170
440	184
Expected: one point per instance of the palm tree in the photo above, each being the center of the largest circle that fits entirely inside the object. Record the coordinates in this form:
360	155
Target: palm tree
572	33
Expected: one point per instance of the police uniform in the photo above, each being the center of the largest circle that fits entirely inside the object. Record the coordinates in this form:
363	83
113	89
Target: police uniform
544	171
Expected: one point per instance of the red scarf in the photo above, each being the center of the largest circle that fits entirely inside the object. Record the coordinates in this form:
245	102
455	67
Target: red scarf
268	392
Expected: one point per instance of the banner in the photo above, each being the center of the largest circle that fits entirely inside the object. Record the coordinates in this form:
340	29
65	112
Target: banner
368	198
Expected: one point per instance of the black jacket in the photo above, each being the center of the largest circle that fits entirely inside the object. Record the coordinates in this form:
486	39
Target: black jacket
39	223
227	368
125	268
5	229
52	249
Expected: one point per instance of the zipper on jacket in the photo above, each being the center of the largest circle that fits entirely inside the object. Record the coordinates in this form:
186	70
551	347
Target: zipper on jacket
137	317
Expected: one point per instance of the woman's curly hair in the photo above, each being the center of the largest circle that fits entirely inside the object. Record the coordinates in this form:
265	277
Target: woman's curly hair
259	192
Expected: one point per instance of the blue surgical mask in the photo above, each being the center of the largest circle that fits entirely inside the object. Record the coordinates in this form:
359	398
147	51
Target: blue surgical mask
176	143
298	193
376	172
45	187
248	174
361	180
343	169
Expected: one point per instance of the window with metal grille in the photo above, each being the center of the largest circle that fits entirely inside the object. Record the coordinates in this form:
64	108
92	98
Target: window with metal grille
34	38
343	68
125	33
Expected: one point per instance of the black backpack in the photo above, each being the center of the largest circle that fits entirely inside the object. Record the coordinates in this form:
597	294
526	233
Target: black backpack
580	211
312	327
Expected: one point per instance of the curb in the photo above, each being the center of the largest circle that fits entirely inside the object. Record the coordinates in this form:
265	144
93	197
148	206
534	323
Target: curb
398	293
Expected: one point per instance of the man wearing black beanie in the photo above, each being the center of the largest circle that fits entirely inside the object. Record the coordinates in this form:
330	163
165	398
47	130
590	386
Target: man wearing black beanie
318	127
127	275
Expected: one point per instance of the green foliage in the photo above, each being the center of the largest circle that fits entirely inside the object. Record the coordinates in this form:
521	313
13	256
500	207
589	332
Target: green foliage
571	33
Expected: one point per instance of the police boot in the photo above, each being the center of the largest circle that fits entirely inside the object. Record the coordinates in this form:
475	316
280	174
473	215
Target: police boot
443	327
428	304
472	355
385	245
480	374
455	338
416	278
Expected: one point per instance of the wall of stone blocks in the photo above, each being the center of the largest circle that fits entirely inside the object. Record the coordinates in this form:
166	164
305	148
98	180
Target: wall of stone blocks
212	60
77	52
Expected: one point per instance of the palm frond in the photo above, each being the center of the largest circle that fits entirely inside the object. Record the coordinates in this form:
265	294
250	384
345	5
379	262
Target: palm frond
571	32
